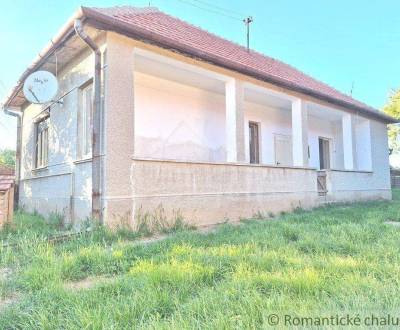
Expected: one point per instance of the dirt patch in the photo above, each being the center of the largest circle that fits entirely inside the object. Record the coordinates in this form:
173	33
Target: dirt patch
210	228
4	302
151	239
87	283
393	223
202	230
5	274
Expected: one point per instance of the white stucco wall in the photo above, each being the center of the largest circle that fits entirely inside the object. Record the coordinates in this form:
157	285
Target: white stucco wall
271	121
64	186
359	185
363	145
174	121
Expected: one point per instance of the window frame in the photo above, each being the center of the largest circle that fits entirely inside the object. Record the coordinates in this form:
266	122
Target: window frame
85	129
41	142
325	164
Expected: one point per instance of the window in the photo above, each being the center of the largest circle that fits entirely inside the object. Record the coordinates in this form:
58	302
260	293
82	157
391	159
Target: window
85	121
254	143
42	142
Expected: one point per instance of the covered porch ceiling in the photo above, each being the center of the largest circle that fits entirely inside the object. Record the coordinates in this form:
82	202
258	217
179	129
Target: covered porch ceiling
166	68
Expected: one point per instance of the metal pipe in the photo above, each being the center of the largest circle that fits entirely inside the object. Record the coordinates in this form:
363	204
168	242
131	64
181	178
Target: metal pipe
97	208
18	115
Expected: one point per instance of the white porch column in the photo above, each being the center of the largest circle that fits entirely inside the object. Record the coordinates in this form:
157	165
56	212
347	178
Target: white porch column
348	144
299	133
234	121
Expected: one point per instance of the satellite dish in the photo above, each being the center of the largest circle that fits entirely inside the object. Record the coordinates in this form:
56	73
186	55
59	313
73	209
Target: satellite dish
40	87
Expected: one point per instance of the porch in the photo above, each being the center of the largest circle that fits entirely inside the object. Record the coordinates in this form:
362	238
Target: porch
215	146
187	113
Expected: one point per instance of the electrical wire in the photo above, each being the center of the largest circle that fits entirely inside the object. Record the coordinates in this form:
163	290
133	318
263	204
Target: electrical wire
4	89
236	13
211	10
5	127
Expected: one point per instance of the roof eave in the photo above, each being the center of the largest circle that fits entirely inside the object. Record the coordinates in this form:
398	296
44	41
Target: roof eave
63	34
107	23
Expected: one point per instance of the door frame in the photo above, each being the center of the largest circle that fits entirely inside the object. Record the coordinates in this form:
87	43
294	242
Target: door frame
258	125
329	140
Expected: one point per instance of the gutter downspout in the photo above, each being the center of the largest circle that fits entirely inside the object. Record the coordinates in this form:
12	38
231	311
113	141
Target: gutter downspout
97	208
18	115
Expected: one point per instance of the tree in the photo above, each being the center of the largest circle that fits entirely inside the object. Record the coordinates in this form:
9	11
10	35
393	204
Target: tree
7	157
392	108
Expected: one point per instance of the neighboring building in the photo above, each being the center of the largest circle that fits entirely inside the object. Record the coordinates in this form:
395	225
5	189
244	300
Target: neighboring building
395	177
6	194
189	121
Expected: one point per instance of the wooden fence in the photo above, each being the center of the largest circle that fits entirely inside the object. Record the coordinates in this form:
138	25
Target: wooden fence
6	198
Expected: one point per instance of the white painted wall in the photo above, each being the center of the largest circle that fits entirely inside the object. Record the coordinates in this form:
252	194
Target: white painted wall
275	121
363	145
324	129
174	121
65	181
271	121
353	185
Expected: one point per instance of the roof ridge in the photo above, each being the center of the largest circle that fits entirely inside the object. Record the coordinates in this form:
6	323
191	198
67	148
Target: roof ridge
134	9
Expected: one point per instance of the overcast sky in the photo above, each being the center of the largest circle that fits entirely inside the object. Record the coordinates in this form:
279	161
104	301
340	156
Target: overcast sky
340	42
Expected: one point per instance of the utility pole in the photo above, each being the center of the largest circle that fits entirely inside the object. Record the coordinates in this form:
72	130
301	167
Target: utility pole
247	22
352	89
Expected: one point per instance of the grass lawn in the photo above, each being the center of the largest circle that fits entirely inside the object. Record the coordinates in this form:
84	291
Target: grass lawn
335	259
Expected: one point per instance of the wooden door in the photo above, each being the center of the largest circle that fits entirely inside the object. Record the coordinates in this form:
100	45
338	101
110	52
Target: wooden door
254	143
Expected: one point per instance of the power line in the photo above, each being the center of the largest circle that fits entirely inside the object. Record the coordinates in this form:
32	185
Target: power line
3	86
6	128
236	13
206	6
211	10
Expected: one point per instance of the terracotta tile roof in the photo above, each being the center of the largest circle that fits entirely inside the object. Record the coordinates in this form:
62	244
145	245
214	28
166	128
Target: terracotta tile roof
6	170
151	25
161	27
6	182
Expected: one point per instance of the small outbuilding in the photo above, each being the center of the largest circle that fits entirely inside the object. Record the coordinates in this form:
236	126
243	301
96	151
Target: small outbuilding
6	194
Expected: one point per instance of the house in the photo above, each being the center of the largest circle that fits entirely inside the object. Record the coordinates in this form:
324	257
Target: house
152	111
6	194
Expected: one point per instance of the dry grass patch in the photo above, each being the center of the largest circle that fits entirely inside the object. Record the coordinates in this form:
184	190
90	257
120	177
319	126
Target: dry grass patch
9	300
5	273
393	223
87	283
